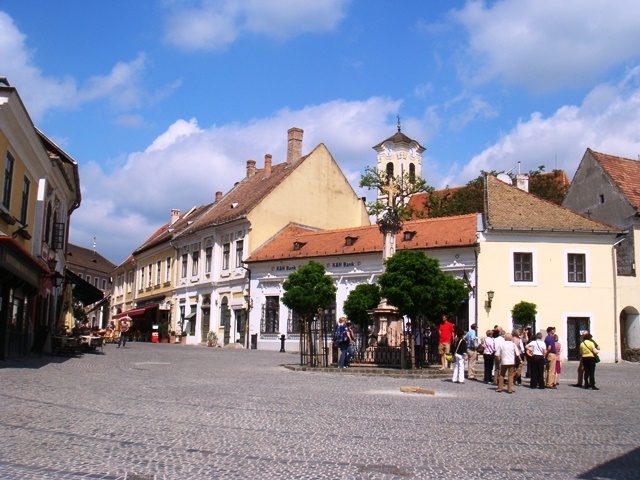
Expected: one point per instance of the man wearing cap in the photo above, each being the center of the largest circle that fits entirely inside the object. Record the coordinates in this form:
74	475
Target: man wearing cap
550	343
472	354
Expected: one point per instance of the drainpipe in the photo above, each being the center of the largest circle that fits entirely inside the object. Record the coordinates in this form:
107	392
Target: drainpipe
615	297
475	289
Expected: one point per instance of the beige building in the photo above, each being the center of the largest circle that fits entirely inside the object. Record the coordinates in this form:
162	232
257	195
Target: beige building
41	189
533	250
212	285
607	188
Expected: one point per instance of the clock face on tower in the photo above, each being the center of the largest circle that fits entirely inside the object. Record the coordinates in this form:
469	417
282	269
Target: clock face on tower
388	149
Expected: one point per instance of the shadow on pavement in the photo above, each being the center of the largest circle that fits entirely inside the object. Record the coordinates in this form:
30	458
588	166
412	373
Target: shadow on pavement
625	467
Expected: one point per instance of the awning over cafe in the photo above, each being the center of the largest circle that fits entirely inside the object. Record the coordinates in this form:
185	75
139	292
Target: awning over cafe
136	311
83	290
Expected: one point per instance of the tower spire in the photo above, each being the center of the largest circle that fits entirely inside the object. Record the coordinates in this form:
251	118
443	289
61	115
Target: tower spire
399	127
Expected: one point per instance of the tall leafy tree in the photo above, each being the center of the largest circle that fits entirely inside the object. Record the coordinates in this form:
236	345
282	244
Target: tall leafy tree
414	284
361	300
470	198
306	291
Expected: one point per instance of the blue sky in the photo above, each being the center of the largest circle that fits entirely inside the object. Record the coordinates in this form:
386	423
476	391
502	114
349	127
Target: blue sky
162	102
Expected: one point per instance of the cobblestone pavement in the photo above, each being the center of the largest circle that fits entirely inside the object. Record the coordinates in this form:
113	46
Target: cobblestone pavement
158	411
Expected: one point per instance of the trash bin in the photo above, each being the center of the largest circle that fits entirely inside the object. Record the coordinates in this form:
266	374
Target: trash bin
155	334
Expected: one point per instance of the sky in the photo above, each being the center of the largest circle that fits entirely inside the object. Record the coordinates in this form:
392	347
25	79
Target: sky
161	103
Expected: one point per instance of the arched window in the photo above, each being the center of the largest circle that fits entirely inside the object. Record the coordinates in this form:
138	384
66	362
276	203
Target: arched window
412	172
390	170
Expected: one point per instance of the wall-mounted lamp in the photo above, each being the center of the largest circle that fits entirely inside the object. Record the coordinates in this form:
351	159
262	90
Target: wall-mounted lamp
490	295
56	279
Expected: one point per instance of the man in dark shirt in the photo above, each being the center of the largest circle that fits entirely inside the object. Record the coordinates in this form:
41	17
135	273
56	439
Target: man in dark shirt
550	342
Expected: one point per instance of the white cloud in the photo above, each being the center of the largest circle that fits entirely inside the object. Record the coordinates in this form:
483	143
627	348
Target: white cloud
608	121
38	92
546	44
123	87
216	25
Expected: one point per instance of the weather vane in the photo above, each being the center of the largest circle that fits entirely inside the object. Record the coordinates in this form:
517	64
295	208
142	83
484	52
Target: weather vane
399	128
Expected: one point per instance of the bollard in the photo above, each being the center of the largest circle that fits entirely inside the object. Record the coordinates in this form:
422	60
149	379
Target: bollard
282	338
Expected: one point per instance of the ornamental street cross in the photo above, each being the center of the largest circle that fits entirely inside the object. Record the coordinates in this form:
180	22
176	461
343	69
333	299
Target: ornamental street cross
391	190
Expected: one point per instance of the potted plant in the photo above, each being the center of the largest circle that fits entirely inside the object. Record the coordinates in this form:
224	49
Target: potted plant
172	336
163	330
183	338
212	339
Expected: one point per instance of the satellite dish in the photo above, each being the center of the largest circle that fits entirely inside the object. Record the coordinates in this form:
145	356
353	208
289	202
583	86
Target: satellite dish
503	177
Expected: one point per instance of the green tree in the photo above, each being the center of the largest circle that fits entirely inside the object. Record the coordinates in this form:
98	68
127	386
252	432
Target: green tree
361	300
307	290
550	186
414	284
470	198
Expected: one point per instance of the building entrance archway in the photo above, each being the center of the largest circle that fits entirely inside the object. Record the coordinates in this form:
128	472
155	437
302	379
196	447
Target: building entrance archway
630	334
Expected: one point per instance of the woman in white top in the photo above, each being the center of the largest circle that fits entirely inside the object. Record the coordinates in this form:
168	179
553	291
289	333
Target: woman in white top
507	351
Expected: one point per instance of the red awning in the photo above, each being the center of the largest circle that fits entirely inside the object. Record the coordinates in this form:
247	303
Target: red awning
136	311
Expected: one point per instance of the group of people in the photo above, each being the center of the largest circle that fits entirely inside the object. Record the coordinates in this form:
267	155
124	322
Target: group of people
504	355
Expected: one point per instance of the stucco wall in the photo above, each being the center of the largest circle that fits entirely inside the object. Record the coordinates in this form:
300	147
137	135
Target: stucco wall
315	194
555	298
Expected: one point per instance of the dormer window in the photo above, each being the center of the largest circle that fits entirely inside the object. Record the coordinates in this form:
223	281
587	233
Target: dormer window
408	235
298	245
349	240
234	204
600	199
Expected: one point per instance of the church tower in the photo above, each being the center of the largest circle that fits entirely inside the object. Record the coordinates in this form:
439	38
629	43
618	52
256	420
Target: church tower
399	154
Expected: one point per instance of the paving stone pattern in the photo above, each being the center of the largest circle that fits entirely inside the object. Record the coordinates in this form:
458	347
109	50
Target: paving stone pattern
159	411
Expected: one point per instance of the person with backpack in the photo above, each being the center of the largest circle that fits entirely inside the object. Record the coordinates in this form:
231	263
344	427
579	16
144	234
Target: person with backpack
340	337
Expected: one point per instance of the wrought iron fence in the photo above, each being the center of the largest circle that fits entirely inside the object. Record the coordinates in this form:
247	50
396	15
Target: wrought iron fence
314	340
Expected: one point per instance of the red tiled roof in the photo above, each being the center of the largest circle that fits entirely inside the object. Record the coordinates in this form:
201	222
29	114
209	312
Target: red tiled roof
84	257
245	195
625	173
426	234
168	230
417	200
509	208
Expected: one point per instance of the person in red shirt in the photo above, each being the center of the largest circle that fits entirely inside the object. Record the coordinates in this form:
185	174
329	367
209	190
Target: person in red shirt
445	331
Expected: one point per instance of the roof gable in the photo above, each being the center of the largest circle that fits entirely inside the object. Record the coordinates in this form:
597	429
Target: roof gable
84	257
246	195
509	208
624	172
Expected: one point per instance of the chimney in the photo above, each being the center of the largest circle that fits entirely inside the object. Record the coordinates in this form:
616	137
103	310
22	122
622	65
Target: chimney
294	145
175	214
522	181
267	165
218	196
251	168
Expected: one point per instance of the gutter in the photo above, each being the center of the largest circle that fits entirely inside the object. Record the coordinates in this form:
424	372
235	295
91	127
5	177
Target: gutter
615	298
